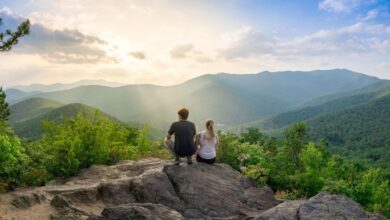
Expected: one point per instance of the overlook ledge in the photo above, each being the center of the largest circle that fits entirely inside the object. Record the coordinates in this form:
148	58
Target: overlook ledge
155	189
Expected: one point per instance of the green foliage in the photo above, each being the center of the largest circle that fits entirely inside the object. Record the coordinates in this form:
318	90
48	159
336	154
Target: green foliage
13	161
69	145
4	110
228	150
360	132
9	38
297	167
296	138
372	191
83	141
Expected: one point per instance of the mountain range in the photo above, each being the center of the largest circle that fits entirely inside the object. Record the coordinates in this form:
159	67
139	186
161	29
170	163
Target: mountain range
349	110
62	86
229	99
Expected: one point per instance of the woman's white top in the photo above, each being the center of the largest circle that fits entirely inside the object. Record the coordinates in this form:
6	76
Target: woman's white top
207	148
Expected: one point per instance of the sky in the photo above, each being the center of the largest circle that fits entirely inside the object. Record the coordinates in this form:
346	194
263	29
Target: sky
166	42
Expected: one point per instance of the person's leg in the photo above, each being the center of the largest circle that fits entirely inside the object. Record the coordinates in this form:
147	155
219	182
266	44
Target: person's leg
198	158
208	161
170	144
189	160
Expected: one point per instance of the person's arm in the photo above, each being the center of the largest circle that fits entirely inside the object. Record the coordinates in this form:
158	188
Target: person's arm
216	144
171	131
197	139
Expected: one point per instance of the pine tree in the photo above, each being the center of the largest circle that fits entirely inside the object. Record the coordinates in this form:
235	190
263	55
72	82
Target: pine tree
9	38
4	110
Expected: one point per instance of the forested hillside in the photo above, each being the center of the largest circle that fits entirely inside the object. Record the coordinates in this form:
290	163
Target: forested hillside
355	124
322	106
31	108
362	132
31	127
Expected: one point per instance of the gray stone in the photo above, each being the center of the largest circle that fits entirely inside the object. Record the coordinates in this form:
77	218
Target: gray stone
326	206
26	200
287	210
138	211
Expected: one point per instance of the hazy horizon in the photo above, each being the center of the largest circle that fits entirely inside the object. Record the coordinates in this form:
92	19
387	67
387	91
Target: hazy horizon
156	84
169	42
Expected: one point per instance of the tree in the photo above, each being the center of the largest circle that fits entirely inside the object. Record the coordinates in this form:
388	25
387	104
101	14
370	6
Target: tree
9	38
296	139
4	111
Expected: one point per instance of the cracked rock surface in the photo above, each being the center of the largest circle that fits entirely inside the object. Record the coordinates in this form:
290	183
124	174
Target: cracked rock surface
155	189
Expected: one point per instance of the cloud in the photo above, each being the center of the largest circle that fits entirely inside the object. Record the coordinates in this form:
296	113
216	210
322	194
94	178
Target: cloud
181	51
138	55
359	38
371	14
5	10
339	5
247	43
58	46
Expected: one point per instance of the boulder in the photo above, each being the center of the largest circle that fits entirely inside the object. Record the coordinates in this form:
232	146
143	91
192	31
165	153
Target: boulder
323	206
216	191
326	206
287	210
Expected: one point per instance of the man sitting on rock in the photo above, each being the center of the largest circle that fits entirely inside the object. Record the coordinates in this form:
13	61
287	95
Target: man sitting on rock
184	131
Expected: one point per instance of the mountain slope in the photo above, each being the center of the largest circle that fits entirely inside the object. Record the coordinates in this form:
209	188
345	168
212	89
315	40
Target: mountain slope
31	128
325	105
227	98
362	131
31	108
13	95
356	126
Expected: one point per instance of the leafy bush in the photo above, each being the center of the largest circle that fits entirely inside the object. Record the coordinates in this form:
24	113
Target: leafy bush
13	160
82	141
296	167
68	147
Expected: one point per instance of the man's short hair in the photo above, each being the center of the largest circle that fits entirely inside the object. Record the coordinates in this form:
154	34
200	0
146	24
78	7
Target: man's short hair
183	113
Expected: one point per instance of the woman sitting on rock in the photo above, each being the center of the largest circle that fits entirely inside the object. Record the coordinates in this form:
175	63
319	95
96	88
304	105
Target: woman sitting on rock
207	144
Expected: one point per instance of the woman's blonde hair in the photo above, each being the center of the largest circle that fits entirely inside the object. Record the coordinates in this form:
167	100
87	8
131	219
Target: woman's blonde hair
210	128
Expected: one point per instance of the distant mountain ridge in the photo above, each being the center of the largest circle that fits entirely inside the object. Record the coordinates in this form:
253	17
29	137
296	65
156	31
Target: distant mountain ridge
15	95
322	106
62	86
228	98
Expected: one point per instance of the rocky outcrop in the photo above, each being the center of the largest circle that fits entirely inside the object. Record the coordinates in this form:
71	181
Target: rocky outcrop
155	189
323	206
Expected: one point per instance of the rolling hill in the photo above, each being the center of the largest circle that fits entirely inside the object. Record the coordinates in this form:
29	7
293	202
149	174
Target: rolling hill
30	127
31	108
27	116
227	98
